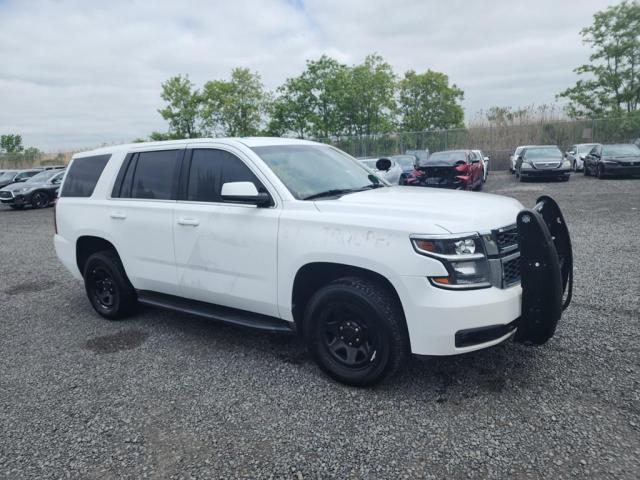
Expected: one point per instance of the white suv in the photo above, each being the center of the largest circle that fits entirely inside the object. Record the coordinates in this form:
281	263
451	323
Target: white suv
292	235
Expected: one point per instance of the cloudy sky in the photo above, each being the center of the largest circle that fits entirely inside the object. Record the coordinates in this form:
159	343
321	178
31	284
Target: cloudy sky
77	74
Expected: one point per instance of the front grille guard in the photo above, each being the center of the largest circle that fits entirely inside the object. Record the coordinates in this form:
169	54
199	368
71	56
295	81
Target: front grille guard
546	270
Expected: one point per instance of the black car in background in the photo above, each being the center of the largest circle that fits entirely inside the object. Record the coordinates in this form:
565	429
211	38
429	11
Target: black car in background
38	191
15	176
542	161
616	159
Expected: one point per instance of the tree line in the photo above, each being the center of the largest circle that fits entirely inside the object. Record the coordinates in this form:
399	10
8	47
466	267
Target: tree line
328	99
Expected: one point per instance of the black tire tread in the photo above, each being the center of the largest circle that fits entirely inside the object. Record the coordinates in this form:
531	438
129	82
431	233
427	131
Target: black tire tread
128	298
390	310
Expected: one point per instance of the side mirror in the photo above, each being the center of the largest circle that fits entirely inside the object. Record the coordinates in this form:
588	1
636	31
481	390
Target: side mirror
383	164
244	192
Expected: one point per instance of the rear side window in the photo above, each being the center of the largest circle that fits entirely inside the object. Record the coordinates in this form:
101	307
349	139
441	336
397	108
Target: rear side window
83	176
210	169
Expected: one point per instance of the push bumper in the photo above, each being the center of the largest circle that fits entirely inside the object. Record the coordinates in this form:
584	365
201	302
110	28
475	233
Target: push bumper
446	322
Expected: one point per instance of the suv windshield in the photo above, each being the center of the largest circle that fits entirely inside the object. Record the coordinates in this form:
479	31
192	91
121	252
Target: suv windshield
314	171
543	152
620	150
43	176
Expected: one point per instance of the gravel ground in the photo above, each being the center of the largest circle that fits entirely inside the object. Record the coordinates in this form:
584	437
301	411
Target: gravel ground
165	395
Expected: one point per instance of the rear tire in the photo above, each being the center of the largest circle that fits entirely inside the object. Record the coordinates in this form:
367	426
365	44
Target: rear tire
107	286
355	330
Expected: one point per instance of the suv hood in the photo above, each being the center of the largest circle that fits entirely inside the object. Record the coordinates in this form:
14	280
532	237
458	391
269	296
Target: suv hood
428	210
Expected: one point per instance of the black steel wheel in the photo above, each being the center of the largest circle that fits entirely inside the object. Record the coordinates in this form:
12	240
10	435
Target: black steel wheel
40	200
108	289
355	331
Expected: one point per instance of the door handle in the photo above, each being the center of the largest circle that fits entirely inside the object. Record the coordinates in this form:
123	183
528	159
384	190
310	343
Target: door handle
189	222
118	215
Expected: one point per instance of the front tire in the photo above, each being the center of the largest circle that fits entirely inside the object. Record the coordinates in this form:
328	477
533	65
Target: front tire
107	286
355	331
40	200
601	172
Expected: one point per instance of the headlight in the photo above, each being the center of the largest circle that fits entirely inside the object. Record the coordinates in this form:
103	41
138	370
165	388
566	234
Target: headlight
610	162
566	164
526	165
463	257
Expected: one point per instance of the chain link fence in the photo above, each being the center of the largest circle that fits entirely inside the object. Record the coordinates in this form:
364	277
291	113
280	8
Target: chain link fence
498	142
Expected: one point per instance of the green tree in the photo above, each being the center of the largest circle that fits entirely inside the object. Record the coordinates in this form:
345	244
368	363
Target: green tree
11	143
325	80
235	107
292	110
367	97
182	111
427	102
612	78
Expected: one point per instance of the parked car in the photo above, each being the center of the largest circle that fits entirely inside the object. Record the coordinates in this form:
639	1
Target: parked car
617	159
513	158
542	161
456	169
576	154
292	235
407	163
38	191
384	167
485	163
15	176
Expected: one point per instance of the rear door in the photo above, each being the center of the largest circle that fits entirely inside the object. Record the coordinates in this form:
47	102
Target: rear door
226	252
140	217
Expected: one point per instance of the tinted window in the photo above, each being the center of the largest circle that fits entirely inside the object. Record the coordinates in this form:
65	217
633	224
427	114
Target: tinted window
210	169
154	175
83	176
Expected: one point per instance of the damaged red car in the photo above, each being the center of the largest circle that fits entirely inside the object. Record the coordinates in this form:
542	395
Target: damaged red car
455	169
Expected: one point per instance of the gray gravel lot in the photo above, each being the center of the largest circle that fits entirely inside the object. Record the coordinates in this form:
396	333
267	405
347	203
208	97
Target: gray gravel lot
165	395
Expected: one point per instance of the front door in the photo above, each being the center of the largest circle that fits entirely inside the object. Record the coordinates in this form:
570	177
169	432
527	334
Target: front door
226	253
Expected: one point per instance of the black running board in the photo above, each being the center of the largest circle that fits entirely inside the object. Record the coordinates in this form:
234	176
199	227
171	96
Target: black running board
219	313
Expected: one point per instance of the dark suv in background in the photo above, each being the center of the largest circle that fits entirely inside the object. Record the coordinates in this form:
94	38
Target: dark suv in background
16	176
542	161
38	191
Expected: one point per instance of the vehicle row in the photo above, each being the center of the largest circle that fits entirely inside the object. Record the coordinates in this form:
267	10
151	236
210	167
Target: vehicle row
463	169
37	188
601	160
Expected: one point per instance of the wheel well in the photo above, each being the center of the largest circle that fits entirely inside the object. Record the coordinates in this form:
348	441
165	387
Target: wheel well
314	276
87	246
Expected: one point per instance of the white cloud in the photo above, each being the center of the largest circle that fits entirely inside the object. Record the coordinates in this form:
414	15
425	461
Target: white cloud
77	73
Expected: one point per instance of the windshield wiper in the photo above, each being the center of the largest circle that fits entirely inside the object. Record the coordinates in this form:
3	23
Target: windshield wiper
341	191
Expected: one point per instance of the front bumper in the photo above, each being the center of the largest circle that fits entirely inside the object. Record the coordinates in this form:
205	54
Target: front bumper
613	169
15	199
544	173
449	322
